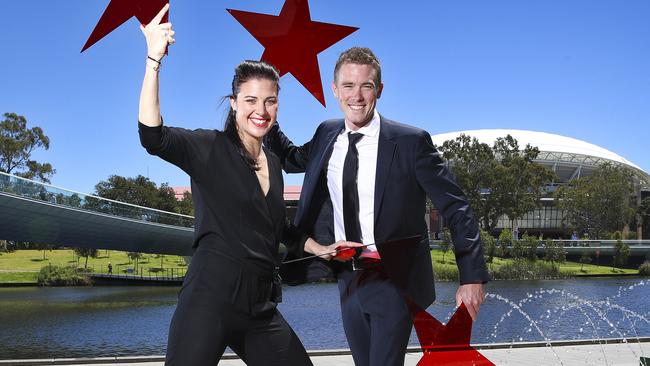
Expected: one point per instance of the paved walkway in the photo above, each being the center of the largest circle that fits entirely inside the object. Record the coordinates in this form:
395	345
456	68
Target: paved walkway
563	353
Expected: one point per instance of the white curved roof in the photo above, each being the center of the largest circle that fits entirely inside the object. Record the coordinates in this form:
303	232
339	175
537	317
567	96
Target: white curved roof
542	140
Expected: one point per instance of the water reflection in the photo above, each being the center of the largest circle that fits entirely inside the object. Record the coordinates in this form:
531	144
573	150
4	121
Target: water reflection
127	321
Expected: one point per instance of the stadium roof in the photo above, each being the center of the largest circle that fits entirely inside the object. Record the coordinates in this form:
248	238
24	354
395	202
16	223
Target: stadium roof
547	142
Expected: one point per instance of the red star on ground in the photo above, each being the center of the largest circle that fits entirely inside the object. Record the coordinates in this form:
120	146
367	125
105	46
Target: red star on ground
446	345
119	11
292	41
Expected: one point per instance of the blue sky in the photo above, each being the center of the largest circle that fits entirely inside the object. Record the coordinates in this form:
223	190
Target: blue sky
579	68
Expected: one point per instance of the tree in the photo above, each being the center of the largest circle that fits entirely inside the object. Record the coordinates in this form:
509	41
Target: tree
498	180
585	258
473	165
137	191
599	203
505	242
529	247
643	214
489	246
445	244
522	181
554	252
135	257
621	253
17	143
518	251
86	252
185	206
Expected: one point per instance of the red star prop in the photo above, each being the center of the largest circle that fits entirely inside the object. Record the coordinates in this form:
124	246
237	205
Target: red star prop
119	11
292	41
446	345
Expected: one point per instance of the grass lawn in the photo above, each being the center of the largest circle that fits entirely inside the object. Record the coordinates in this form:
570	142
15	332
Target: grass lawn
18	277
23	265
571	268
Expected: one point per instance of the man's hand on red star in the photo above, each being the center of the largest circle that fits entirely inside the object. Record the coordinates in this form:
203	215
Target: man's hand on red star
446	344
292	41
119	11
472	295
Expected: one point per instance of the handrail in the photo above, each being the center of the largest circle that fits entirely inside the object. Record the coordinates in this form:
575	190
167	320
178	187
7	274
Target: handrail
11	184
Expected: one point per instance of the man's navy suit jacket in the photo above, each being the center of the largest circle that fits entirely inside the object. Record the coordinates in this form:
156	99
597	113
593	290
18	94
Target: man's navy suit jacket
408	169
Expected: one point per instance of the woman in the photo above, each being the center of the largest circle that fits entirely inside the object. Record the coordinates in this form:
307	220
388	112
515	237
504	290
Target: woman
229	294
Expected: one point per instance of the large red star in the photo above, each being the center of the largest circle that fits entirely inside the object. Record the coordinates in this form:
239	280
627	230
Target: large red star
292	41
446	345
119	11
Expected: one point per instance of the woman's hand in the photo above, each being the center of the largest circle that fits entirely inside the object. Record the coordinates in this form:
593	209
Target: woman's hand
329	252
158	36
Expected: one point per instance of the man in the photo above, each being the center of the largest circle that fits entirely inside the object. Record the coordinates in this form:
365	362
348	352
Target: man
366	180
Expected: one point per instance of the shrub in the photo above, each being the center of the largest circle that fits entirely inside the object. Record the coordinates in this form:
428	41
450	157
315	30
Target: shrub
529	247
489	246
644	268
62	276
505	240
526	270
445	273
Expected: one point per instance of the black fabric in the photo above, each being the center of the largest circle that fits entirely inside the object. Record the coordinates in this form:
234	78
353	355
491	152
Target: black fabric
350	190
229	296
409	169
375	318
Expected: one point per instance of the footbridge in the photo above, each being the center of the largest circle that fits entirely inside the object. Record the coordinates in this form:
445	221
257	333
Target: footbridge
36	212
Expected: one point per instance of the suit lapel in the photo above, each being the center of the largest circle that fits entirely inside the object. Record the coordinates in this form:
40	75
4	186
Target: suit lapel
314	171
385	153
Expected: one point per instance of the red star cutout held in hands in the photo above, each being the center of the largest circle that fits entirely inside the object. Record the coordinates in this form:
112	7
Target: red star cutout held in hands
292	41
446	345
119	11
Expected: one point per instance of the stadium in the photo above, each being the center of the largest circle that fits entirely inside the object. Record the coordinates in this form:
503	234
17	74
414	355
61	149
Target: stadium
568	157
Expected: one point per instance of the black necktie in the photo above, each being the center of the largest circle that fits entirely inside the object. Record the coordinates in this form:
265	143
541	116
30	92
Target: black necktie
350	192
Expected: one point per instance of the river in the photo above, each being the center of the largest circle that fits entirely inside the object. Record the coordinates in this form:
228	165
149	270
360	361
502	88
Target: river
127	321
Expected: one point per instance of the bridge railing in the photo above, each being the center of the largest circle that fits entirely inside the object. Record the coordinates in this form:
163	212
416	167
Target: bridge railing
27	188
139	272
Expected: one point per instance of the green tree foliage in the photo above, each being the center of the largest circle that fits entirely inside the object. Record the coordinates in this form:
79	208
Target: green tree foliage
489	246
137	191
599	203
446	243
643	214
85	253
621	253
62	276
185	206
530	244
554	252
644	268
473	165
522	181
17	143
518	250
505	242
135	257
498	180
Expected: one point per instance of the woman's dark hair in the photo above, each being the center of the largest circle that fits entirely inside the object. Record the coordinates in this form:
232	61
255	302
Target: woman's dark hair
247	70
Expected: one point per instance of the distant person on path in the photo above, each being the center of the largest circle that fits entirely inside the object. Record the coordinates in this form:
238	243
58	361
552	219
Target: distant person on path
366	180
231	290
110	268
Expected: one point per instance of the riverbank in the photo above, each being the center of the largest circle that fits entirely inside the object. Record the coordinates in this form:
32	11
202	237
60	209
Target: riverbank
22	267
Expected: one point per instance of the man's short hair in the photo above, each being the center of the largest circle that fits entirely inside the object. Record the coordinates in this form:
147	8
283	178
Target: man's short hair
360	56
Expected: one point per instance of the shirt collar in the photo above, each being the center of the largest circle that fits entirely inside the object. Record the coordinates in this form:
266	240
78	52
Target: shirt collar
371	129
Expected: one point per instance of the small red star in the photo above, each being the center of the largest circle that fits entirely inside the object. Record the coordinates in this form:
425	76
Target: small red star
446	345
292	41
119	11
